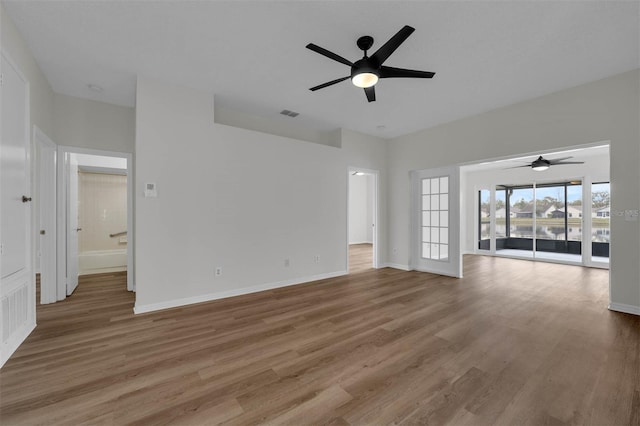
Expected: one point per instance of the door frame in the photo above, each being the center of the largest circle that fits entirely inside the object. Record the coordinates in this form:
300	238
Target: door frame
47	218
455	222
376	213
64	150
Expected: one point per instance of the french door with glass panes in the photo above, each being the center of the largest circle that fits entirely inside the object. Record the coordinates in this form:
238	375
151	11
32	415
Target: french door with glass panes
436	221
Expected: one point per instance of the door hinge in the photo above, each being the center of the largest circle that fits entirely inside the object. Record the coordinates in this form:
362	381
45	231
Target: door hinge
1	79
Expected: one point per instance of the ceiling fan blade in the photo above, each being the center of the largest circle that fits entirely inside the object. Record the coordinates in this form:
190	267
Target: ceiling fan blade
329	83
371	93
391	72
328	54
390	46
567	162
555	160
517	167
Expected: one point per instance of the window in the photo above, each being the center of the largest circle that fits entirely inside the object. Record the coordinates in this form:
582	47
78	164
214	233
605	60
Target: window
600	220
520	212
501	212
484	219
550	212
435	218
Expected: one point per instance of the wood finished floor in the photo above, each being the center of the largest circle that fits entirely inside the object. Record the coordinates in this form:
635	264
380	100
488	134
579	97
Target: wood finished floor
360	257
377	347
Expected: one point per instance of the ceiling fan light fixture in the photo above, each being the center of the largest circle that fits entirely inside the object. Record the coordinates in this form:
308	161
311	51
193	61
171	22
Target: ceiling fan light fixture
540	167
364	79
540	164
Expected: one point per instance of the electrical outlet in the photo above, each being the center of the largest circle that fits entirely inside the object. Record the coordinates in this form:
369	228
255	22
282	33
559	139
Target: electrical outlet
395	250
316	258
287	262
218	271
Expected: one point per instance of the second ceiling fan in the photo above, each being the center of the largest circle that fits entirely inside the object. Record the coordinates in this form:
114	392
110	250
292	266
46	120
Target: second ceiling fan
366	71
541	163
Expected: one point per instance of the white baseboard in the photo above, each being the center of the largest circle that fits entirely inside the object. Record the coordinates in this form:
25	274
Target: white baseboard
397	266
103	270
140	309
360	242
627	309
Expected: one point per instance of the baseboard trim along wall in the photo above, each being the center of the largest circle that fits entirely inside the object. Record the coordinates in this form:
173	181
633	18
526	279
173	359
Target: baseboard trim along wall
141	309
397	266
627	309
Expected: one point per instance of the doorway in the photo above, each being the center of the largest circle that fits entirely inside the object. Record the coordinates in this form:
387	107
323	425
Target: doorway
362	215
94	216
558	215
44	159
436	221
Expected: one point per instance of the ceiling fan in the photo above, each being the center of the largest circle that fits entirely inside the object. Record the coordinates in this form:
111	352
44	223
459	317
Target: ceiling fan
366	71
541	163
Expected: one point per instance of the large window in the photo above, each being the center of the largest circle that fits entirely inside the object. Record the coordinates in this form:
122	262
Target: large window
520	202
550	212
545	218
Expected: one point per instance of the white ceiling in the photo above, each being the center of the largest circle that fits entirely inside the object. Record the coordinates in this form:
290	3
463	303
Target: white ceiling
252	54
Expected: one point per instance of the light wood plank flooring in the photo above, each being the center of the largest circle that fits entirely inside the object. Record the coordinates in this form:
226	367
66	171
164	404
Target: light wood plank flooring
360	257
513	343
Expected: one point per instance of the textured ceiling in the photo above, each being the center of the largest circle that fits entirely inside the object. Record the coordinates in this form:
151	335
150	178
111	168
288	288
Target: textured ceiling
252	54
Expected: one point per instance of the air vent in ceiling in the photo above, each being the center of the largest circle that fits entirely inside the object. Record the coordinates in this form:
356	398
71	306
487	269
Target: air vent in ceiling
289	113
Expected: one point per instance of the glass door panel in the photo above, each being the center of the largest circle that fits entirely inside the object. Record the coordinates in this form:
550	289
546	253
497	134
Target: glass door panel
484	219
520	231
600	221
435	221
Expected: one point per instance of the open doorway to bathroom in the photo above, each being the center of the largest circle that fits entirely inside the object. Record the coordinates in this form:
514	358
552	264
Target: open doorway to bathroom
94	219
102	214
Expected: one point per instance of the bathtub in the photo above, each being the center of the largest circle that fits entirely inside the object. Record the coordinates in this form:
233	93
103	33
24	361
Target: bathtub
100	261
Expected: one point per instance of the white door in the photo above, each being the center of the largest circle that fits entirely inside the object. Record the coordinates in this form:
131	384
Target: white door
72	225
436	221
17	282
47	207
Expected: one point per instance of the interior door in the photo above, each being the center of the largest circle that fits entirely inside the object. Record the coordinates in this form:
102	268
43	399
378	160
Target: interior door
17	282
72	225
436	221
47	225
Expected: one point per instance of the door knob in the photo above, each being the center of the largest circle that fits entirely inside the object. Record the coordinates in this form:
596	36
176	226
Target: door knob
42	232
78	229
25	199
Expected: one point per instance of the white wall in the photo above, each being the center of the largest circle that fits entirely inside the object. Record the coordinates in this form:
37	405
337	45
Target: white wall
360	209
233	198
41	95
603	110
95	125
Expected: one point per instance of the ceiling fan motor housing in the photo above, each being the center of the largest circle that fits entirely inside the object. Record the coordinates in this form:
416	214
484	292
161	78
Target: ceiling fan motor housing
541	162
364	65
